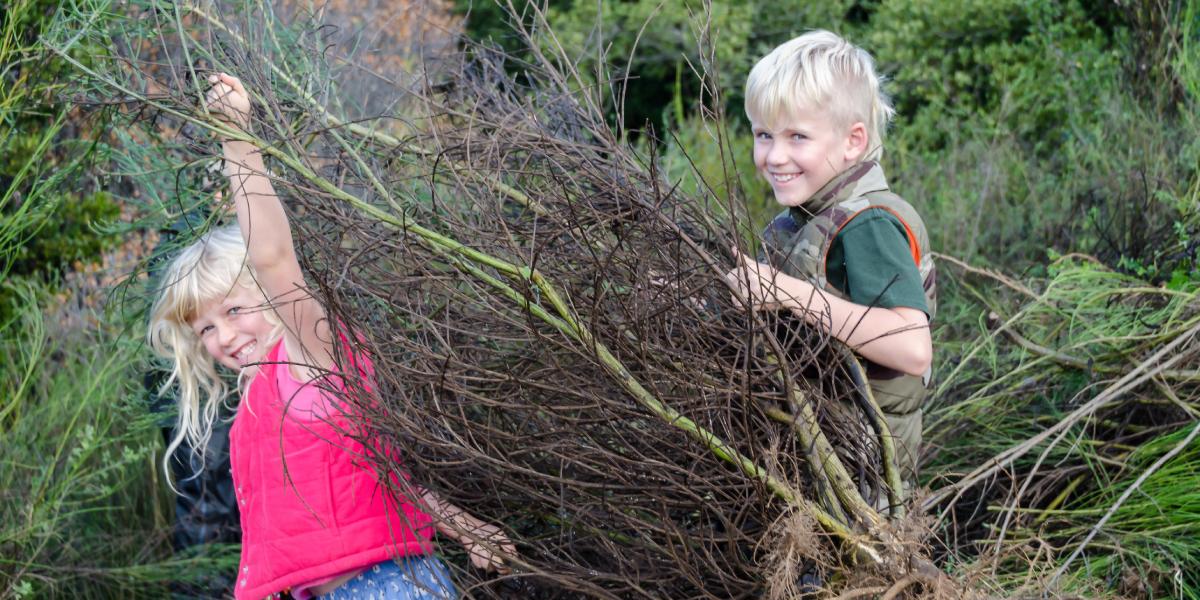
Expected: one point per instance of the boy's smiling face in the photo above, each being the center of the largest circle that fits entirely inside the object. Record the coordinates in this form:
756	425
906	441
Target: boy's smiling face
800	154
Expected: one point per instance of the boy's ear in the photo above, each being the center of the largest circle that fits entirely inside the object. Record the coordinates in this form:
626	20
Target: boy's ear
856	142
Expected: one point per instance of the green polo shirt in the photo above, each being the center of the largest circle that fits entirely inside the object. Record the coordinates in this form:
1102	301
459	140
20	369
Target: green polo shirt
870	262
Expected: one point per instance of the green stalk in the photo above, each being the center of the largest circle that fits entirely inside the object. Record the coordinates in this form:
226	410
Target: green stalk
824	487
843	483
811	435
887	443
1059	499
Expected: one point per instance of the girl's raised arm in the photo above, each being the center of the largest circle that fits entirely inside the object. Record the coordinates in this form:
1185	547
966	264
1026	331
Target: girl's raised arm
268	235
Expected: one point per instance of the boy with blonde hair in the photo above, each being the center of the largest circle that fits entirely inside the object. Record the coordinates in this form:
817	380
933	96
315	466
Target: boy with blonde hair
846	254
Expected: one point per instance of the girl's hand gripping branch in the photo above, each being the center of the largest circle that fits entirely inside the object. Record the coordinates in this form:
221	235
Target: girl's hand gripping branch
228	100
486	544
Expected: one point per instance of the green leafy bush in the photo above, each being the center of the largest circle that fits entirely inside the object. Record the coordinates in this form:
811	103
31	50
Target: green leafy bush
1030	69
1019	131
73	229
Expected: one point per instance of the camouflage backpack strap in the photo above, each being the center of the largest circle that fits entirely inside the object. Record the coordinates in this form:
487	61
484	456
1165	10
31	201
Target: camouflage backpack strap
777	240
918	240
813	242
800	250
798	244
797	239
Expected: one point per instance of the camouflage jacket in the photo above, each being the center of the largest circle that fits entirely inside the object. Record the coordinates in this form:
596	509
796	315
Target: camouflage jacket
797	242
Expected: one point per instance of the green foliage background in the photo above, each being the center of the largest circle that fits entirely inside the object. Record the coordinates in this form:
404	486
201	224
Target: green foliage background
84	510
1022	125
51	215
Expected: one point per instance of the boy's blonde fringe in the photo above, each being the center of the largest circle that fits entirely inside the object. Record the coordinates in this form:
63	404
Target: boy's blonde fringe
207	269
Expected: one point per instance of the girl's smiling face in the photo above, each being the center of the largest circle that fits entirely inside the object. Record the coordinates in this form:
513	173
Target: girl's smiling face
803	153
234	329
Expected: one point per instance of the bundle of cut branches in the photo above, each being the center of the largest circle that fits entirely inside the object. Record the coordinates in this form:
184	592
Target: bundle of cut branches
554	344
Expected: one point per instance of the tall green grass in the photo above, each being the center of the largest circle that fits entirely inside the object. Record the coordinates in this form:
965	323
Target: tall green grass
84	512
1156	527
1047	353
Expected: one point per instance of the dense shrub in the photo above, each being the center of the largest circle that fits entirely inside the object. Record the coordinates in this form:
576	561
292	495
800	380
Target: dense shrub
1029	69
655	50
71	231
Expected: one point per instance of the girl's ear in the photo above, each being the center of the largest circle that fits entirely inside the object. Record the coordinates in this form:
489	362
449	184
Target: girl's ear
856	142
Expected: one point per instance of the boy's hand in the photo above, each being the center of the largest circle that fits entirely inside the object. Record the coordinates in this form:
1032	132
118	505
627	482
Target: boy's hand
757	282
228	100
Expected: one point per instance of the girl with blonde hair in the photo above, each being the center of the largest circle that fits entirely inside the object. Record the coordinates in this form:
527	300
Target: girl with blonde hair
315	522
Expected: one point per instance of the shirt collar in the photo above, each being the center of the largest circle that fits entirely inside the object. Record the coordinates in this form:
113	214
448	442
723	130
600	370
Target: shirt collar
862	178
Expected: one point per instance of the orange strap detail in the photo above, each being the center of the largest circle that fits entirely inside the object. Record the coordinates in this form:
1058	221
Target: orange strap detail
913	246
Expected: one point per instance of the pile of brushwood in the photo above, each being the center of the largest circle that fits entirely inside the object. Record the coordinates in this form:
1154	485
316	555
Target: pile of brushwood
555	346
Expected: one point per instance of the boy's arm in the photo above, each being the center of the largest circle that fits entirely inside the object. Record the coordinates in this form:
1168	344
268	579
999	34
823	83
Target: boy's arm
264	224
897	338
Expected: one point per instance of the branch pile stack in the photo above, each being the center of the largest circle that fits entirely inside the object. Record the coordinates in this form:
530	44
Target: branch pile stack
553	341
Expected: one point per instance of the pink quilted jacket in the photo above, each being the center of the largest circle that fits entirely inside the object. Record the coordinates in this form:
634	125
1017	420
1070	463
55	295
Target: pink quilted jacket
311	508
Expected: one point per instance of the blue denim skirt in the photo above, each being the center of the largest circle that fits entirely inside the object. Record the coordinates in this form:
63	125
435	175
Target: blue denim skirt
421	577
